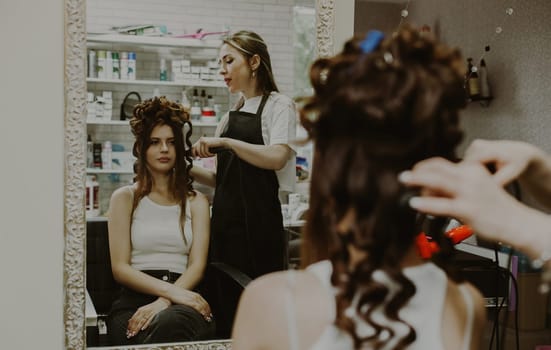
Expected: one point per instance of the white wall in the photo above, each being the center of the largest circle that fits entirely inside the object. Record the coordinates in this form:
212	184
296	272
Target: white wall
518	62
344	27
31	180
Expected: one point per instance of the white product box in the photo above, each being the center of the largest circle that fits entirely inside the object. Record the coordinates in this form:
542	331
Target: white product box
123	160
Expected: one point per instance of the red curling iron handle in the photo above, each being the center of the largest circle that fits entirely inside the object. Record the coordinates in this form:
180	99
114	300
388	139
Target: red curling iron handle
427	248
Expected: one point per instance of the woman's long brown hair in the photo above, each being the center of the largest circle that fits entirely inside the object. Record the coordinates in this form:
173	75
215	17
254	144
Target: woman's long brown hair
146	116
373	115
249	43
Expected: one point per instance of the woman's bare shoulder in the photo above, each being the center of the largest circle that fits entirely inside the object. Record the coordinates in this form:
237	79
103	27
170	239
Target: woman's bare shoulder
458	305
284	298
479	303
124	193
272	284
272	290
121	202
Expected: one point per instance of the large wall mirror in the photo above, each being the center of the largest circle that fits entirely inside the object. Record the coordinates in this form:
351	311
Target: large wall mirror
76	25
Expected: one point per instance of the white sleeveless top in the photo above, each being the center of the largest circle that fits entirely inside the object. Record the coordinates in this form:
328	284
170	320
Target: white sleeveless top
157	241
423	311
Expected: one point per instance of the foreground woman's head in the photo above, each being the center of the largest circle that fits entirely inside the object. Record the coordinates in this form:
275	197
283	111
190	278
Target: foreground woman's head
379	107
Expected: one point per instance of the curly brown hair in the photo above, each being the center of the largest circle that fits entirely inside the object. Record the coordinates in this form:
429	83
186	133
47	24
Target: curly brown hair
373	115
146	116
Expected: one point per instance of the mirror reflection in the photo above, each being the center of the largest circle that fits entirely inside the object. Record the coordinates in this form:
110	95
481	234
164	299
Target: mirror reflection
140	52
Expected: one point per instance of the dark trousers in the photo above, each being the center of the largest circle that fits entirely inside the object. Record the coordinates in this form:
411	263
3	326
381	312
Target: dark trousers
177	323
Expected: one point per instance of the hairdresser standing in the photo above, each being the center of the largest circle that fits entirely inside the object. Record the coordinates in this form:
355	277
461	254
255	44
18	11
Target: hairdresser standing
255	163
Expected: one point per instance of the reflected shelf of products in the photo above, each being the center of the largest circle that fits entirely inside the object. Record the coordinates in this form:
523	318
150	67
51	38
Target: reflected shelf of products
191	83
166	41
99	121
108	171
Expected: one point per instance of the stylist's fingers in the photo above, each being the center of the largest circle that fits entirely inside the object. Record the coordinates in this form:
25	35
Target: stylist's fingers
434	176
487	152
206	147
203	147
508	173
481	151
200	147
507	157
196	149
439	206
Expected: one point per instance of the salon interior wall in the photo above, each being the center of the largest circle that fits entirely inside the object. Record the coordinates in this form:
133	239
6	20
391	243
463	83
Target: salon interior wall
31	183
272	19
518	60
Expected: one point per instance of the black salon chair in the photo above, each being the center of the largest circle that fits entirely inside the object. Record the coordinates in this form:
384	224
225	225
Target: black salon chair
221	286
100	284
294	253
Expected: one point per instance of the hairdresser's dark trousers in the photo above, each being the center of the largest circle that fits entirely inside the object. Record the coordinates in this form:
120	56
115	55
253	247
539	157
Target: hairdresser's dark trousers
177	323
247	225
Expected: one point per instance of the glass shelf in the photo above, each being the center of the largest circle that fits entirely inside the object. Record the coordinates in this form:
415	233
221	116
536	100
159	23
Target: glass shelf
197	83
108	171
96	218
98	121
154	41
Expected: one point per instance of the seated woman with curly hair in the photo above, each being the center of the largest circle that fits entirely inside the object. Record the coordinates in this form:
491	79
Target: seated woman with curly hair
159	235
379	107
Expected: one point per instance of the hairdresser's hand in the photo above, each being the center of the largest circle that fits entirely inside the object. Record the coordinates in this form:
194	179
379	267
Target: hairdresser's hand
465	191
144	315
510	158
183	296
516	160
203	147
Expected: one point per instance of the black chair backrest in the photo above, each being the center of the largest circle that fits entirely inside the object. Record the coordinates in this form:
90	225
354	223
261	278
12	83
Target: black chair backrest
101	285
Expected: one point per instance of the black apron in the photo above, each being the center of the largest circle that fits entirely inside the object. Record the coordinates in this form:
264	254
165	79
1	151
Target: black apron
247	225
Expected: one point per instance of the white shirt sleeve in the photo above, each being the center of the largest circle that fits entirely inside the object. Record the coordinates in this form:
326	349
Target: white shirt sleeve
283	126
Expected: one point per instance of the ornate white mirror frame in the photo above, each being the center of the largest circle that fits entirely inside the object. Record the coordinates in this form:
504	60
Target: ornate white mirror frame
75	160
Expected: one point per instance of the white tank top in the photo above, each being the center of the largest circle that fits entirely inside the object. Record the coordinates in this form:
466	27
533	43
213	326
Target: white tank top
428	301
157	241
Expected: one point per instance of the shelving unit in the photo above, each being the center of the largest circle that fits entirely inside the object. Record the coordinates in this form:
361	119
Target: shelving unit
164	41
194	83
149	51
107	122
108	171
126	123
